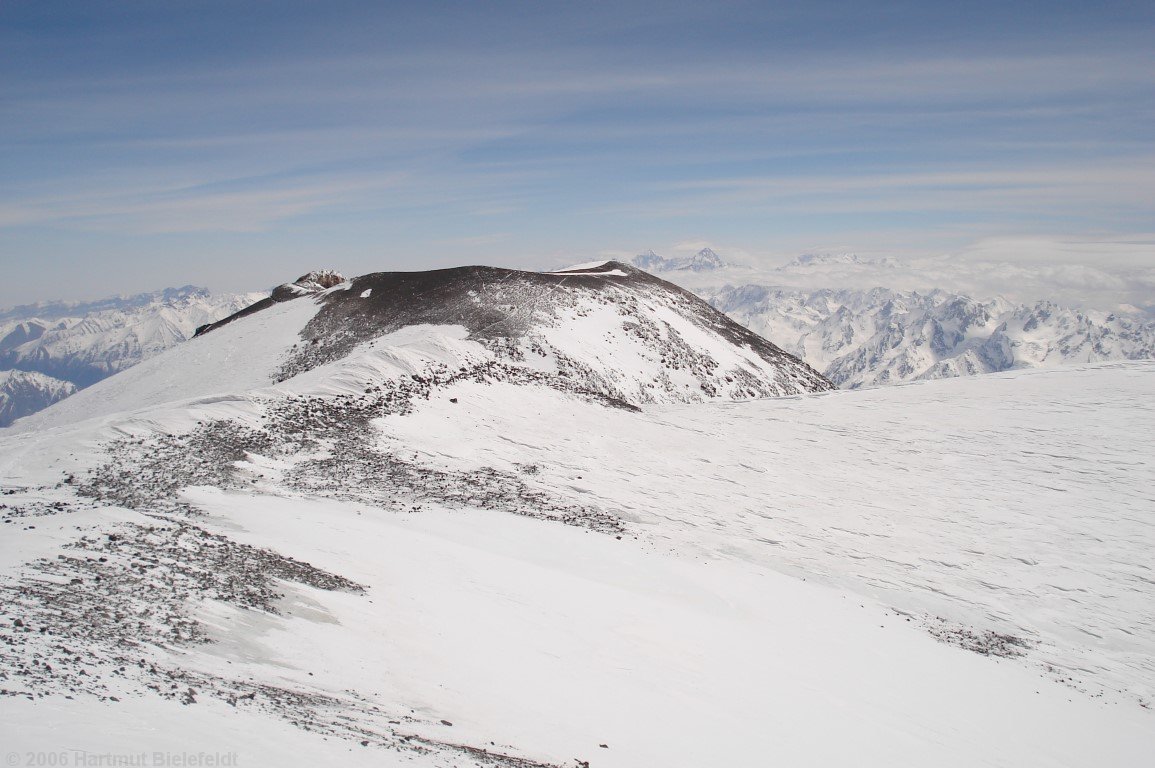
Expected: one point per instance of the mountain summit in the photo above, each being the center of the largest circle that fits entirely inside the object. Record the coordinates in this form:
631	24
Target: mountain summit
603	328
604	331
702	261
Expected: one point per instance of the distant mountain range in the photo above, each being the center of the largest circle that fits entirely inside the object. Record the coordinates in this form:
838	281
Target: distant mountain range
884	335
704	260
881	336
50	350
821	260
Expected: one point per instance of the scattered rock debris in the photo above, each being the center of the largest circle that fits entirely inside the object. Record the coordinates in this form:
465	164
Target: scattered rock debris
985	642
101	618
335	453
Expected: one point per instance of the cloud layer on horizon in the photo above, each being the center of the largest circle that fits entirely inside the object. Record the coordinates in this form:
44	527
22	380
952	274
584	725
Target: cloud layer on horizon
1023	271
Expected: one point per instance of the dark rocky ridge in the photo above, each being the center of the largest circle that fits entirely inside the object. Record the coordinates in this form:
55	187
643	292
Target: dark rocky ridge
305	285
497	305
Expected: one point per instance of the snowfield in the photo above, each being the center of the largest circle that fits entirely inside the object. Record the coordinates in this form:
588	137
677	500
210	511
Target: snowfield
414	555
1019	503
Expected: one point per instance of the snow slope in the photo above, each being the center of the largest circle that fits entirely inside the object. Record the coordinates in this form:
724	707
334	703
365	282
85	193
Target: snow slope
406	549
240	358
82	343
1017	504
765	586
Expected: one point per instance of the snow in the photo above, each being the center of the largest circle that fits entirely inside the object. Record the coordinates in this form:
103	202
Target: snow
588	268
557	641
88	342
766	598
80	344
366	293
159	732
231	360
402	353
584	266
550	641
970	499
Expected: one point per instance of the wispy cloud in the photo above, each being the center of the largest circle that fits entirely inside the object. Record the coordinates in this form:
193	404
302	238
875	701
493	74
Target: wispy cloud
990	195
569	127
205	208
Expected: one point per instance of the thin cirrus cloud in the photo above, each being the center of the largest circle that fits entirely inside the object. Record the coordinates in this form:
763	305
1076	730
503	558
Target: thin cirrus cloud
520	131
1126	185
240	207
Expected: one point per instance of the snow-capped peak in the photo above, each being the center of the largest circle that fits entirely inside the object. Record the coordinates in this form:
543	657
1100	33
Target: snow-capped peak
25	392
649	261
703	261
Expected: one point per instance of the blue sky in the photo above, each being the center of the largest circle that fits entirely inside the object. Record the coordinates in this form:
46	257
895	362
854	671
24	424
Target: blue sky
237	144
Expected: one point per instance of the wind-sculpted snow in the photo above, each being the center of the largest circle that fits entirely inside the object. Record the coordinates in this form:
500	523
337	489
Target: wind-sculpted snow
508	533
1018	505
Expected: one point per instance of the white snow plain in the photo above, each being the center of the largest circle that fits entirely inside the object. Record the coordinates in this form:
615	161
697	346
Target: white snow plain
768	603
1020	503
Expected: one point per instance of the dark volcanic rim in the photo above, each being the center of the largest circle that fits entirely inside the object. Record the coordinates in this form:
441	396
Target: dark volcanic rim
399	299
285	292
